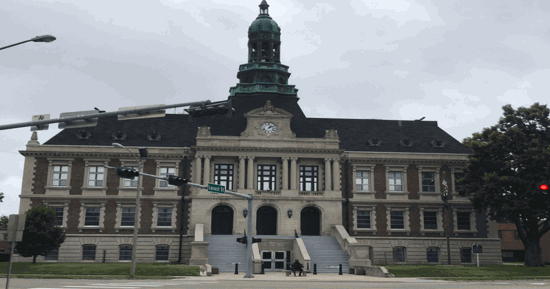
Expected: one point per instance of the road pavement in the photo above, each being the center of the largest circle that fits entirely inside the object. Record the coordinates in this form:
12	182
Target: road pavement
270	280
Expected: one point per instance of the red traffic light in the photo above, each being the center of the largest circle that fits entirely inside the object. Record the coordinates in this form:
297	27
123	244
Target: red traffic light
543	187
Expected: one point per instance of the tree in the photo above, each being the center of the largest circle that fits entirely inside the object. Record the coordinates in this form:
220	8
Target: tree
4	222
41	234
509	160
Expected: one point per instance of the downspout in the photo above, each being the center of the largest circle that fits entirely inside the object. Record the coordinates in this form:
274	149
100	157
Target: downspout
182	218
346	202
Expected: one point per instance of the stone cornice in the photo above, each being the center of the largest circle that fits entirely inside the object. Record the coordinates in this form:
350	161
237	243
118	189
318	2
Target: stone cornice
264	149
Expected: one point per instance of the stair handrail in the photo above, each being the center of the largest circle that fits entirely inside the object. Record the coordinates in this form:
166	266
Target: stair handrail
296	234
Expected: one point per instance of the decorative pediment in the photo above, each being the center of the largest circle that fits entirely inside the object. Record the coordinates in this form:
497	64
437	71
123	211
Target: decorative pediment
268	122
268	110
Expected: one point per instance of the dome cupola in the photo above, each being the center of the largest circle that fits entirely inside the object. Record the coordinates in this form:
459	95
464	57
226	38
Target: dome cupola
264	38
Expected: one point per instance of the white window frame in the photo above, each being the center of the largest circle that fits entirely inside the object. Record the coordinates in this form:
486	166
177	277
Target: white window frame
95	163
372	210
59	162
437	179
473	228
406	218
131	164
316	184
120	205
96	204
167	164
396	168
156	206
277	174
452	186
439	215
162	174
370	169
221	162
65	206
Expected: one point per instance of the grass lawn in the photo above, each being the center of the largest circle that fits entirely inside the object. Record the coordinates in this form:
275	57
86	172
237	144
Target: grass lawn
470	272
100	270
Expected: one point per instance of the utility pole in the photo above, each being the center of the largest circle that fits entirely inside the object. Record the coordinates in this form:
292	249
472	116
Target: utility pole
444	198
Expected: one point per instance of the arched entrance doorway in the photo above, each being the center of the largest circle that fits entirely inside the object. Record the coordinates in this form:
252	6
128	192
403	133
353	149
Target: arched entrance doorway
266	221
222	220
310	221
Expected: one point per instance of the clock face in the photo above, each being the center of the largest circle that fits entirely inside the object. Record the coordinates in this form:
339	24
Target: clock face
268	127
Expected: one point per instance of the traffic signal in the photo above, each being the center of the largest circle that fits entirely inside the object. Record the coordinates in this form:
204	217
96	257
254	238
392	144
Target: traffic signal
219	107
177	181
256	240
126	173
242	240
543	186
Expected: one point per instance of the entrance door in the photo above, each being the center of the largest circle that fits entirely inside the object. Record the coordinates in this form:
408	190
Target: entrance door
310	221
222	220
266	221
275	260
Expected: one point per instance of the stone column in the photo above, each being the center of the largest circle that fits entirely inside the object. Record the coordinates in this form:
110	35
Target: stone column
250	184
293	173
285	173
336	176
241	172
206	170
328	186
198	170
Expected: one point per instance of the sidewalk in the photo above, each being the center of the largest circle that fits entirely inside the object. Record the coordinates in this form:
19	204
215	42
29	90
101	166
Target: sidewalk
321	277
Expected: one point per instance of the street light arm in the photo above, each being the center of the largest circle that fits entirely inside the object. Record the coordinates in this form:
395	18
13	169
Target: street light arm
14	44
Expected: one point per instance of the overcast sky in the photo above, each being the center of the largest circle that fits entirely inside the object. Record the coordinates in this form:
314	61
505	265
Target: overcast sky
456	62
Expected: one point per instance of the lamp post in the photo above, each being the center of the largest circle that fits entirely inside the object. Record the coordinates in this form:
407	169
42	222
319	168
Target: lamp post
142	154
444	198
43	38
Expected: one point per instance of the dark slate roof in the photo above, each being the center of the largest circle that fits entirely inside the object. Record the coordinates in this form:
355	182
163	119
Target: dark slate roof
179	130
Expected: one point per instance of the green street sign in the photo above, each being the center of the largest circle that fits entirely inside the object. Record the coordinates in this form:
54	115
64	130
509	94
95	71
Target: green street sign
216	188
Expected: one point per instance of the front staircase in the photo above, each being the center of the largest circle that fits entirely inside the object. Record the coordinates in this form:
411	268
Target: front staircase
326	253
224	251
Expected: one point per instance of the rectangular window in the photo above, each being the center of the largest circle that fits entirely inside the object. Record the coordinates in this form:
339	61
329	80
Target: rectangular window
428	182
164	172
162	252
125	253
399	254
430	220
266	177
127	217
432	254
92	217
396	181
164	218
463	220
59	176
53	255
397	219
309	178
466	255
131	183
223	175
88	252
59	216
95	176
362	181
363	219
458	184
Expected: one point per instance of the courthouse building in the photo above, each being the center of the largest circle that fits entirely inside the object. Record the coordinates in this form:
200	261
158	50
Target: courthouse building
379	179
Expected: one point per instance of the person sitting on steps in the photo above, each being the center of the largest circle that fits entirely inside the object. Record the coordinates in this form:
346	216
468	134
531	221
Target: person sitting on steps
297	266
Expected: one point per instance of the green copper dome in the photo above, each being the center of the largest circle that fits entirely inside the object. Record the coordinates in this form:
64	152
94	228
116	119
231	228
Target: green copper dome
264	23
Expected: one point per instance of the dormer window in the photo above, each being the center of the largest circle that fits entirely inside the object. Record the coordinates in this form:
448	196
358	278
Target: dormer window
119	136
406	142
438	143
375	142
83	134
154	136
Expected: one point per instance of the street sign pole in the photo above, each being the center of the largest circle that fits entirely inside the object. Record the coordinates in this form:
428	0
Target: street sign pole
12	249
477	259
